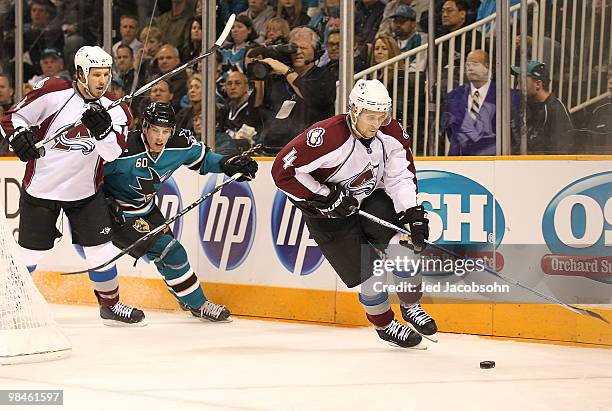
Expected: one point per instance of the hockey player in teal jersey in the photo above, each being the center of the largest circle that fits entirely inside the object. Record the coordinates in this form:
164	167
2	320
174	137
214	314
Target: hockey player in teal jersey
131	182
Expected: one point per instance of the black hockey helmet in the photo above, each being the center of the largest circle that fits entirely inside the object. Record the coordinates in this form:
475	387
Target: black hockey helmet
159	114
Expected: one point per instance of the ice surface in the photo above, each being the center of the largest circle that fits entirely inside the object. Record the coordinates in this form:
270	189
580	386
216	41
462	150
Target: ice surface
178	363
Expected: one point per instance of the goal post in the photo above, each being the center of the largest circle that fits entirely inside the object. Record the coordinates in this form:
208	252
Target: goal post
28	332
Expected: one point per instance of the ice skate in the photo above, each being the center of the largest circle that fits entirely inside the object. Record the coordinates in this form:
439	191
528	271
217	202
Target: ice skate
400	335
211	312
121	315
420	321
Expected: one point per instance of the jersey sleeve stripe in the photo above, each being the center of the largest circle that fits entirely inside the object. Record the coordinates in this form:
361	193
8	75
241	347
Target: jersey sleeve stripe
198	163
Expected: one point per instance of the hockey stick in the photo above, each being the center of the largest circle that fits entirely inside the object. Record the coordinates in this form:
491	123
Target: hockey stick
149	85
161	227
509	280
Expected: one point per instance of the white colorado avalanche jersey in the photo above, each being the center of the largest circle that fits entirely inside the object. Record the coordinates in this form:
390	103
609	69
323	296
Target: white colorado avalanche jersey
71	169
327	152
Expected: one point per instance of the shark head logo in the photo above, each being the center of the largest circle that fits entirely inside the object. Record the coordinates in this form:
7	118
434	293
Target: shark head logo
148	187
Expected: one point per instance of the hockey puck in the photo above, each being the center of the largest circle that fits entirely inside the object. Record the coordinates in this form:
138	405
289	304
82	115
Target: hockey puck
485	365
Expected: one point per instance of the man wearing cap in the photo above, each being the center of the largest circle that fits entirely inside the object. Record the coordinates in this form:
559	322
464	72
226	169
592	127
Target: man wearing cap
51	65
405	28
386	26
549	126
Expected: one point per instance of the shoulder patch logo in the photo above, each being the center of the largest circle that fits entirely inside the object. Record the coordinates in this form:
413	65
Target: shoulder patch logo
404	132
314	138
40	84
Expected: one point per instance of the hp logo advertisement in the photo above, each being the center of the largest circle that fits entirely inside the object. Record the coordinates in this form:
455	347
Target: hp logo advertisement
227	223
169	202
577	228
296	250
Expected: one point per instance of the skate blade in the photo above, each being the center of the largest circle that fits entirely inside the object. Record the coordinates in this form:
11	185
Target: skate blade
433	338
420	346
120	324
206	320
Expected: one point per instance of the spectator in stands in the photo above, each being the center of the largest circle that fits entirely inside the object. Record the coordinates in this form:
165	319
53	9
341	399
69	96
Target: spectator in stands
368	15
152	40
240	39
42	32
144	61
123	68
161	92
454	17
117	87
260	12
128	28
331	58
184	118
176	24
549	125
292	98
407	36
386	25
330	9
277	31
385	48
6	92
197	127
239	118
292	11
51	65
470	115
488	7
405	28
167	60
194	47
601	122
82	24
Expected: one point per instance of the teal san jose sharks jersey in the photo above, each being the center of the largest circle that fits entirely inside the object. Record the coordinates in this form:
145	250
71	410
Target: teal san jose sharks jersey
135	177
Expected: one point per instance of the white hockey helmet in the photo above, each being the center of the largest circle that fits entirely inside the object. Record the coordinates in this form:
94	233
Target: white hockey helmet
370	95
88	57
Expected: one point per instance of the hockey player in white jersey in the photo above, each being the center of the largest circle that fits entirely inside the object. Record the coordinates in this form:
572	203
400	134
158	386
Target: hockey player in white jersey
65	174
362	158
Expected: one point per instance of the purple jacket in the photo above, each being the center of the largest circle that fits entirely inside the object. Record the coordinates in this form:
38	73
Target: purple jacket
476	137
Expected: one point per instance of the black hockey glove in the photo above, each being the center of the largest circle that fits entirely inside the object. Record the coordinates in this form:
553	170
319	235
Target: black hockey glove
23	143
115	209
337	204
97	120
415	219
239	163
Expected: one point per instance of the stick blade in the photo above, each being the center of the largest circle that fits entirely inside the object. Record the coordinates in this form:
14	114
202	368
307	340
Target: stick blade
226	30
594	315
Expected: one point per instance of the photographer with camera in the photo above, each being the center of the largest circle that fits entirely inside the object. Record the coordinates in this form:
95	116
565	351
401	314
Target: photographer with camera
291	91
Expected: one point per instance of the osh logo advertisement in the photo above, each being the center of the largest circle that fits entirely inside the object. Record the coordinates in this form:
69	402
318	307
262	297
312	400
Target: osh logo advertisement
463	217
577	228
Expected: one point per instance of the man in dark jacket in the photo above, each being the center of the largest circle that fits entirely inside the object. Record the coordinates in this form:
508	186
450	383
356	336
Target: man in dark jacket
368	15
549	126
293	98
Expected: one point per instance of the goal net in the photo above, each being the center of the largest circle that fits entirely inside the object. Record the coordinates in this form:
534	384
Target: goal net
28	333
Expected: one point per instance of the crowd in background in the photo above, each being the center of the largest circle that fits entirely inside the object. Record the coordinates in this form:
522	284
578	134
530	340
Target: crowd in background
277	71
